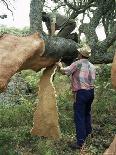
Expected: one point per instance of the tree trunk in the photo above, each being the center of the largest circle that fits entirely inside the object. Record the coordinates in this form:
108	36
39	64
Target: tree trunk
58	47
61	48
113	72
46	116
20	53
112	148
36	8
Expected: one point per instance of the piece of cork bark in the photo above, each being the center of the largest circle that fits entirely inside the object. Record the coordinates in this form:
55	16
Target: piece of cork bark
45	122
113	72
112	148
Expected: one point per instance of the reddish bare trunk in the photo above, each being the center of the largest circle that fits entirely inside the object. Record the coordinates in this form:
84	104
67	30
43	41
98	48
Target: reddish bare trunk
20	53
113	72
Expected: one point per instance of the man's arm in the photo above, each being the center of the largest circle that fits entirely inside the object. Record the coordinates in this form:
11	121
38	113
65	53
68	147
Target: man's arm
67	70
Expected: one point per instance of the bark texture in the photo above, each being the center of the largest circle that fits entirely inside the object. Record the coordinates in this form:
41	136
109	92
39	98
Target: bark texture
102	10
113	72
19	53
61	48
46	116
112	149
104	13
36	8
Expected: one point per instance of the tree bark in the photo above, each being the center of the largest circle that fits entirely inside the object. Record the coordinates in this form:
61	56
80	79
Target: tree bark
112	148
113	72
58	47
36	8
21	53
99	48
61	48
46	115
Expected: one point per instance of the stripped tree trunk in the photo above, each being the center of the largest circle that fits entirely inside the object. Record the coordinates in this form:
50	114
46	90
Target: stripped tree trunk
112	148
46	115
21	53
113	72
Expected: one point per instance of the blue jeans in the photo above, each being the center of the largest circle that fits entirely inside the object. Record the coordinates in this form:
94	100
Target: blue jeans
82	114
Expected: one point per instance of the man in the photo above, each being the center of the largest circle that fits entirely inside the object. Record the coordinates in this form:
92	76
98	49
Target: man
83	75
55	21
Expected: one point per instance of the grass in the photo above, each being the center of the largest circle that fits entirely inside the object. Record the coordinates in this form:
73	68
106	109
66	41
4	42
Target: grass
16	121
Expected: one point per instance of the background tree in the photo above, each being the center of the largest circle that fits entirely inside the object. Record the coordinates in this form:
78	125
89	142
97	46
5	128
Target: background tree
101	12
58	47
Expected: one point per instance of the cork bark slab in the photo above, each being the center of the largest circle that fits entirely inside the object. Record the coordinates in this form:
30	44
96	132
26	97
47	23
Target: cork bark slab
113	72
16	52
46	115
112	149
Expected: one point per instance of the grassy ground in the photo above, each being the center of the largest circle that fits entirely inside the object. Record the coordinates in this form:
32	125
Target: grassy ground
16	121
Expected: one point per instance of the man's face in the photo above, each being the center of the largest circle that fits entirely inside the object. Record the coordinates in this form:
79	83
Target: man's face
79	56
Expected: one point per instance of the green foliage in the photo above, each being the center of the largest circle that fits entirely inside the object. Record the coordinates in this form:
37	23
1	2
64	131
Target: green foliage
18	32
16	121
32	78
104	72
65	107
15	115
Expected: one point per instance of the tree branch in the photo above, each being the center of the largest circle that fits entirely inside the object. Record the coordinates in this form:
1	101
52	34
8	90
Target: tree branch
78	9
109	40
90	33
7	6
61	48
36	8
100	58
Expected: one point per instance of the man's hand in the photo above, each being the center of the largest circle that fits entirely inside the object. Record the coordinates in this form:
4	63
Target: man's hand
59	65
60	68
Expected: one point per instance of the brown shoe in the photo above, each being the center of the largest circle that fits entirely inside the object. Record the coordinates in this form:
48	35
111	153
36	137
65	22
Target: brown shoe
75	146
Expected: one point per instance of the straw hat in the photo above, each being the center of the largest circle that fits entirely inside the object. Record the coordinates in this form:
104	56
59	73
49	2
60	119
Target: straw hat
85	51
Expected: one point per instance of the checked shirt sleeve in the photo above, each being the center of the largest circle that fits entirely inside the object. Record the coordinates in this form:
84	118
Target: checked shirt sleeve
71	69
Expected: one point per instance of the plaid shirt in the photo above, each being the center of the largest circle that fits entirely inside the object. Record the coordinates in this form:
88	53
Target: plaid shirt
82	74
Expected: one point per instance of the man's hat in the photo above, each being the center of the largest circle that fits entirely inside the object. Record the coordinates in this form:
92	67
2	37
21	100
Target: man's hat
85	51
